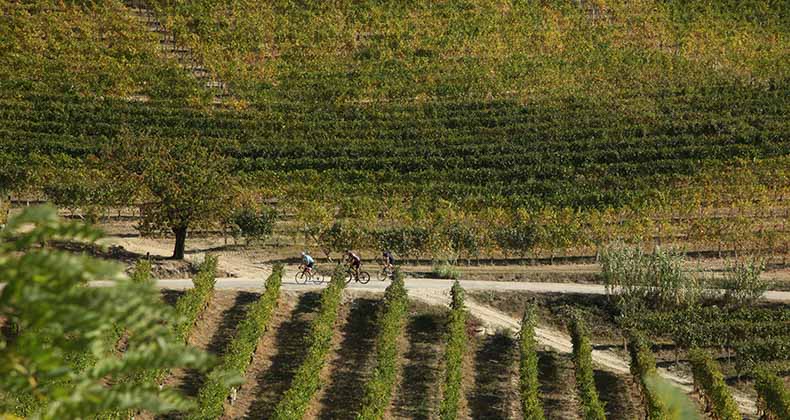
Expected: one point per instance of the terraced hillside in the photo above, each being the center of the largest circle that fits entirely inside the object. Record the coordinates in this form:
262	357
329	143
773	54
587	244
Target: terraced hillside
661	110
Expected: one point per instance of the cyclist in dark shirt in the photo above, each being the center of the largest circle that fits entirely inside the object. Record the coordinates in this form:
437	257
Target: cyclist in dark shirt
353	261
389	260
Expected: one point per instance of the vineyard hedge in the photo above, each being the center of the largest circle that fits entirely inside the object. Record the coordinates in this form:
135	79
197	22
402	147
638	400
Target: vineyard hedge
709	381
195	300
454	355
773	395
307	380
757	335
391	321
643	365
240	350
528	368
188	309
592	407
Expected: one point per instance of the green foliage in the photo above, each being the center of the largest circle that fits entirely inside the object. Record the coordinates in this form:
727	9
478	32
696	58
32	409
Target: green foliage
774	395
715	326
240	350
391	321
183	183
528	367
709	381
487	107
643	366
61	363
445	271
742	283
141	272
638	279
582	360
93	48
307	380
519	238
454	355
663	50
254	224
195	300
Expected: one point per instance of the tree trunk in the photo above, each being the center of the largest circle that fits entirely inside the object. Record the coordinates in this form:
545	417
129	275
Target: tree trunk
181	238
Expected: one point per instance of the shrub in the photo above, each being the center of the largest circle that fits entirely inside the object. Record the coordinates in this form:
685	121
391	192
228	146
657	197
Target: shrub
709	381
582	360
774	397
307	380
141	272
657	279
528	368
742	283
392	317
253	224
240	350
454	354
445	271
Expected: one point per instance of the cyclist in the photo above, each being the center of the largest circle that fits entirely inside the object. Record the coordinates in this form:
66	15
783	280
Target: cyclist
389	260
353	261
308	262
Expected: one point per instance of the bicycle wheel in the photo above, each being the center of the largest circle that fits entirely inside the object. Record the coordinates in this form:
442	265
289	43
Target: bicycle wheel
364	277
349	277
317	278
299	278
381	275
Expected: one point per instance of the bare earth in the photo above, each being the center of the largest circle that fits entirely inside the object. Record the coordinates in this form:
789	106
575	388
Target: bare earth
250	275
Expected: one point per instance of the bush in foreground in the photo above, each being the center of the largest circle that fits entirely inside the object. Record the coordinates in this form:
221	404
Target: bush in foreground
60	320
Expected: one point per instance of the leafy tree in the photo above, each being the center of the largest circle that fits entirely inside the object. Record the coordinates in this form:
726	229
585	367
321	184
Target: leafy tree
254	224
182	183
62	361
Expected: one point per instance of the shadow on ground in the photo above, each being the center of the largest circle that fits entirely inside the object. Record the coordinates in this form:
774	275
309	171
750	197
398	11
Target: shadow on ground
291	345
419	385
494	364
349	371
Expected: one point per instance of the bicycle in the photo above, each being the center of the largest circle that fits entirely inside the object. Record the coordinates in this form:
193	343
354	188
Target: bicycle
303	275
386	273
362	277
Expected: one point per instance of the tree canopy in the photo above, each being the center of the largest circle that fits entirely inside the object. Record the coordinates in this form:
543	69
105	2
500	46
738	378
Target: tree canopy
182	183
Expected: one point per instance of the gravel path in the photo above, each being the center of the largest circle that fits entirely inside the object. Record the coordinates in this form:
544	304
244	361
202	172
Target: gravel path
436	285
